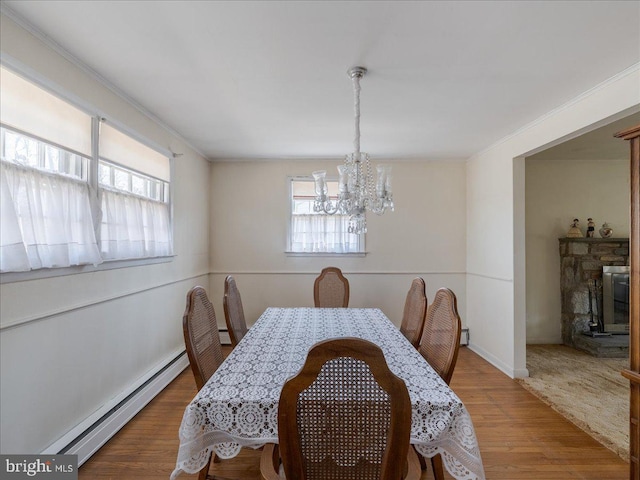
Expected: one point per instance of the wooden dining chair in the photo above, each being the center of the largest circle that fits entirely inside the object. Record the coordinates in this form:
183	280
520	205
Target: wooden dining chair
345	415
415	310
202	342
331	289
233	311
439	346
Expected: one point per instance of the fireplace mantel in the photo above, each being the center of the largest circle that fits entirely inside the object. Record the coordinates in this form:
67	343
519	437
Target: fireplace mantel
581	260
593	240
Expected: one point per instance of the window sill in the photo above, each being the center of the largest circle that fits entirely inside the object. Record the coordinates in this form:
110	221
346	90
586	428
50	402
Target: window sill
322	254
13	277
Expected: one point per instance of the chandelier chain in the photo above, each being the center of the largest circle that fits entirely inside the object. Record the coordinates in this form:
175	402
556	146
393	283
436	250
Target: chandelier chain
356	107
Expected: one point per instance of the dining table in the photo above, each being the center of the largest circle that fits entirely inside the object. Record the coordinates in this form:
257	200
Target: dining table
238	406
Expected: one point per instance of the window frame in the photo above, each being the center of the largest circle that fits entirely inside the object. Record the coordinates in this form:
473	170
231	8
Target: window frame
289	250
92	178
42	146
163	185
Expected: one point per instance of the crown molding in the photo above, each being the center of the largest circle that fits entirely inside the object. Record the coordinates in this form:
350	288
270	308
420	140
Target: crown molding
627	71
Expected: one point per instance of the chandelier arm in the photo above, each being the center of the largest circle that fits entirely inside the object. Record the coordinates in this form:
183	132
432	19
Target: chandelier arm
330	208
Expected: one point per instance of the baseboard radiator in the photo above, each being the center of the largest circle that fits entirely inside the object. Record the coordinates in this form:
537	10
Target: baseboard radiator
464	337
99	433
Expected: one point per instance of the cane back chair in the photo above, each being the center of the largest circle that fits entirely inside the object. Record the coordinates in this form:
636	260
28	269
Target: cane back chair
202	342
331	289
233	311
345	415
439	346
415	309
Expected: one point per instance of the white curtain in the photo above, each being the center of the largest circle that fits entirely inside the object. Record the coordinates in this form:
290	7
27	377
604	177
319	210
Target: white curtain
46	221
134	227
322	234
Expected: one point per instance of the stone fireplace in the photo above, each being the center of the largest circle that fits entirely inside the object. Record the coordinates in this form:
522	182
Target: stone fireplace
581	262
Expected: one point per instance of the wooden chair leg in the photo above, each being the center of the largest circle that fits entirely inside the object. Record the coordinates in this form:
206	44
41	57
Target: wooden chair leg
413	469
270	462
423	462
438	470
205	470
204	473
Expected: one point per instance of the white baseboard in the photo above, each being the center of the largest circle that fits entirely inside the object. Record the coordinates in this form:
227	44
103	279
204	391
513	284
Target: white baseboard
100	432
512	373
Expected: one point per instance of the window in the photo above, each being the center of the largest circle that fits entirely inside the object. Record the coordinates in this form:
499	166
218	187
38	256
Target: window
45	146
134	187
53	188
316	232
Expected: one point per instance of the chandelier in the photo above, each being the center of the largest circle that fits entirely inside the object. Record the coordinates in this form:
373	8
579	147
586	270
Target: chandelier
357	191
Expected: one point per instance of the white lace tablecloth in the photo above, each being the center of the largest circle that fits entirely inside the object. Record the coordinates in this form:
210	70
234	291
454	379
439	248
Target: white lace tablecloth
238	406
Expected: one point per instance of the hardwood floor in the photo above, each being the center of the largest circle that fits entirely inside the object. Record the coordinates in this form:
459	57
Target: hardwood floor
520	437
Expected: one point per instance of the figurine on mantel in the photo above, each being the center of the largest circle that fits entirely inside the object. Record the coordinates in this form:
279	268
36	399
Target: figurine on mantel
574	230
591	228
606	231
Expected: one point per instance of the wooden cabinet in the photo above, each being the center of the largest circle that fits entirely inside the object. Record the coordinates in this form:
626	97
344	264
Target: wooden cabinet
633	373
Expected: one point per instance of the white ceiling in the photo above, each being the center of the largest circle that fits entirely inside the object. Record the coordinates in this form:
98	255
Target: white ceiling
268	79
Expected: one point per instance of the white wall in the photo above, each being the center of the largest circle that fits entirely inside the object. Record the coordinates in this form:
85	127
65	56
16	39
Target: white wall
71	346
496	241
556	192
425	236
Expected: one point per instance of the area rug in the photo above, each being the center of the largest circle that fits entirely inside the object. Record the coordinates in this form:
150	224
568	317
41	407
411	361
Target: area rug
588	391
